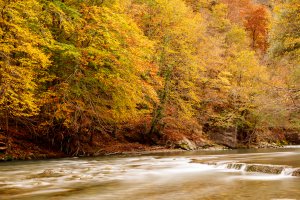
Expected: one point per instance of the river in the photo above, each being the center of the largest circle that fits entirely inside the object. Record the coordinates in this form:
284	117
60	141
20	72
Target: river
160	176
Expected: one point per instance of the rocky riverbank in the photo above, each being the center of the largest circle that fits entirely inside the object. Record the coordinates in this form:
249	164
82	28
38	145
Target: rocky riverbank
20	145
27	150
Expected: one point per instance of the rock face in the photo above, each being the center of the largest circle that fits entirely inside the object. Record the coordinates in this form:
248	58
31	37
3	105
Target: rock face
223	136
292	137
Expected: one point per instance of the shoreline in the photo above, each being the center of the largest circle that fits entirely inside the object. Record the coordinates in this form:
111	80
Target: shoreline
149	150
21	148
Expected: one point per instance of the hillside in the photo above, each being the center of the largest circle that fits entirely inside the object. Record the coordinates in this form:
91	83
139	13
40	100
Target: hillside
83	77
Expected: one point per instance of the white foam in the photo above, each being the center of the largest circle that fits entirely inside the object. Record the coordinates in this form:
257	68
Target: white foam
262	177
292	146
243	168
287	171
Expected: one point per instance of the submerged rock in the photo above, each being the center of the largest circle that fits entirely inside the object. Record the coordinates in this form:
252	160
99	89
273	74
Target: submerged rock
47	174
203	162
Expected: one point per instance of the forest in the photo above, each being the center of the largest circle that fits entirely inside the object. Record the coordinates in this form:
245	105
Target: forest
86	76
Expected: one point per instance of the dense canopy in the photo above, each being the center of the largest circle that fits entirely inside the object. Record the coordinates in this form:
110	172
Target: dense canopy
73	70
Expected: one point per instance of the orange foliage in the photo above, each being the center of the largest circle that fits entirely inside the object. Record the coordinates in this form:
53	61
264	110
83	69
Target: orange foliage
256	23
236	8
255	19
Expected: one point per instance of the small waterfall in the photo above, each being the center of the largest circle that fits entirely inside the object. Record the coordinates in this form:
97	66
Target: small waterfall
237	166
259	168
287	171
244	167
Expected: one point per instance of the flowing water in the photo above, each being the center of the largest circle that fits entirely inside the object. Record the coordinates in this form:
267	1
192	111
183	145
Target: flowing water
231	174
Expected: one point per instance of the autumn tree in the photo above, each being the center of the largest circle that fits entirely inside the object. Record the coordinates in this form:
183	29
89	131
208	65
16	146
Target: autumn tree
23	60
74	70
177	31
285	33
254	17
103	76
257	24
232	79
284	52
236	8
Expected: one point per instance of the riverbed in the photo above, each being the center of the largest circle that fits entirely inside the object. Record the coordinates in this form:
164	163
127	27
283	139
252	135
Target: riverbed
159	176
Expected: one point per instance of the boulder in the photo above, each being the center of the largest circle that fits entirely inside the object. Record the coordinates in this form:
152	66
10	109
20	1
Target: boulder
185	144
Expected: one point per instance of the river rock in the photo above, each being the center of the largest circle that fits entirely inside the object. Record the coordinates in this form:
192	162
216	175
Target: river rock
47	174
237	166
296	172
268	169
203	162
266	145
